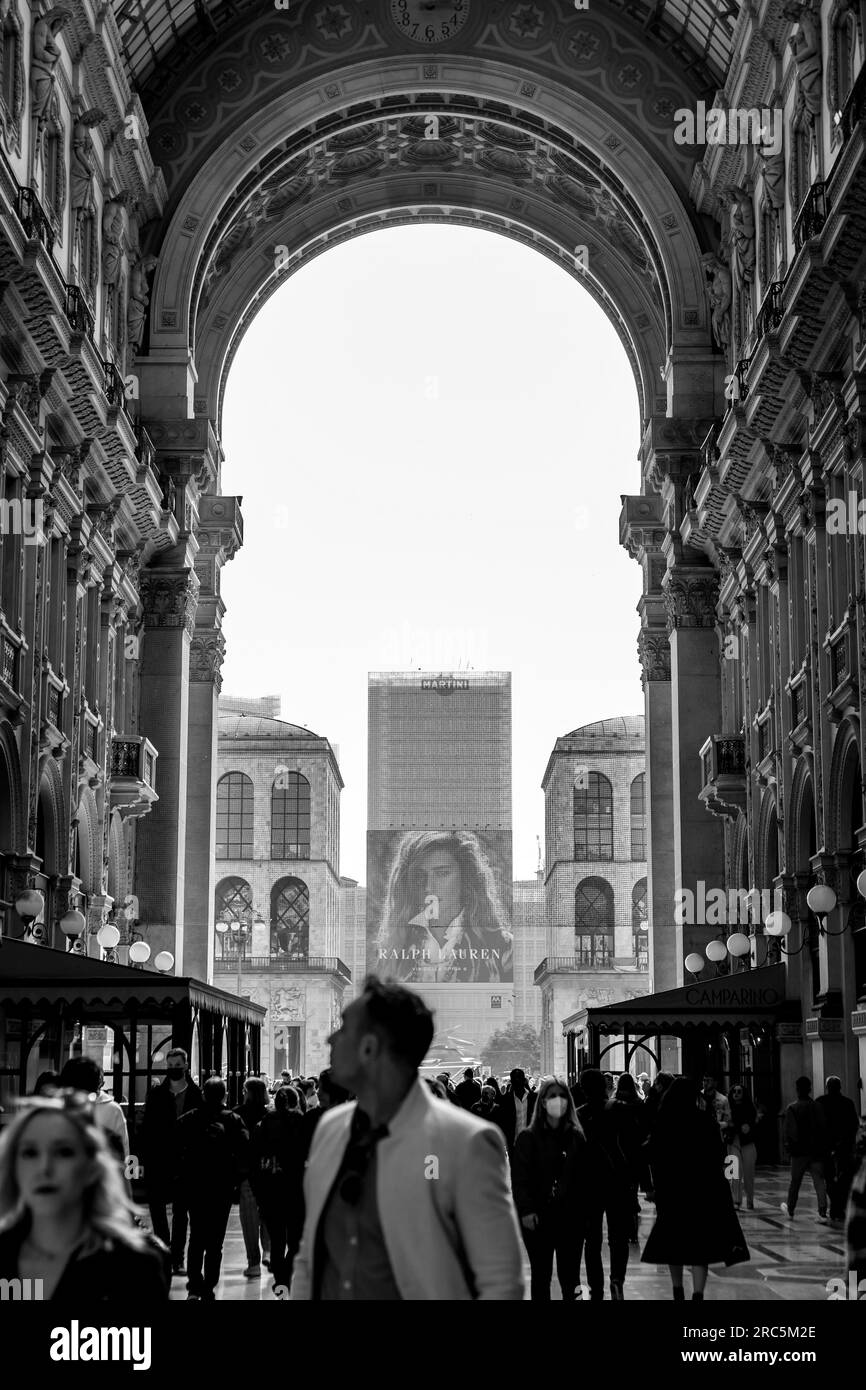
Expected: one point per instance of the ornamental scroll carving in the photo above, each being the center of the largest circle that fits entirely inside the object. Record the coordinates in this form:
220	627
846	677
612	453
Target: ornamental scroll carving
690	601
654	653
206	656
169	600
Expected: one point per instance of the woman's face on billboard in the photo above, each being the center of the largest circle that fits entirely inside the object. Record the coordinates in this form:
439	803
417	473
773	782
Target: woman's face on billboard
440	882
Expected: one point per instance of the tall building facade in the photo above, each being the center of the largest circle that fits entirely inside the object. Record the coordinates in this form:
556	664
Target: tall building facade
439	843
277	897
596	875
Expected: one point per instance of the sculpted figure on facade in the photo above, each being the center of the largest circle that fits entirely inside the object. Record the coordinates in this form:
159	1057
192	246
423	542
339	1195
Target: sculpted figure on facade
773	169
719	294
742	238
805	45
113	226
139	297
83	163
44	57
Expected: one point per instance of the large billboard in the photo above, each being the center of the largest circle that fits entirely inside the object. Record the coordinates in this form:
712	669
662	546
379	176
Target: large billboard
439	906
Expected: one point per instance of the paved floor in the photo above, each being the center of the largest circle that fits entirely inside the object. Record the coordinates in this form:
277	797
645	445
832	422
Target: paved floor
790	1259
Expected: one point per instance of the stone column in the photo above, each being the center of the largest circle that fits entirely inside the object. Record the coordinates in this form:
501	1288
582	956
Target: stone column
642	534
168	598
219	534
696	712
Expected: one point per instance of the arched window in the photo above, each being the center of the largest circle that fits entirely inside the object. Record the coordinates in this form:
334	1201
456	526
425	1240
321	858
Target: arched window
593	818
233	902
290	817
234	817
639	922
593	922
842	49
638	817
290	919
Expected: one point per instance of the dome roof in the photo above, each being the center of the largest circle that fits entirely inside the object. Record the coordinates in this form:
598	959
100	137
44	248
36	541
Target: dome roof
258	726
621	726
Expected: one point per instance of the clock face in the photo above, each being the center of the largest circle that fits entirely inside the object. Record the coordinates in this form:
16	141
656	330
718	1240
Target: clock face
429	21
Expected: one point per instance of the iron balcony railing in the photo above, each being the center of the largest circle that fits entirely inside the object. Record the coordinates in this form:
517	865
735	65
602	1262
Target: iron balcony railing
772	311
812	215
112	385
134	757
78	312
34	219
581	960
741	372
313	965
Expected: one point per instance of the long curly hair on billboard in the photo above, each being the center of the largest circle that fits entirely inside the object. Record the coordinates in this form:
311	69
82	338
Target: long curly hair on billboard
442	917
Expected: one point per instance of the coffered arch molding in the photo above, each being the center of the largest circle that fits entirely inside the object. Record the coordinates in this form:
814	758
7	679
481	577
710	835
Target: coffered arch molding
216	348
582	126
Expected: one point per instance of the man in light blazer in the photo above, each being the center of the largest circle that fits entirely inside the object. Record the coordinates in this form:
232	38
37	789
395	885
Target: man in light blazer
407	1196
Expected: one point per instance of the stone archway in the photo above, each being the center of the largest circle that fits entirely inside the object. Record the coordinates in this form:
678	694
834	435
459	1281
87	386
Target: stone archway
288	134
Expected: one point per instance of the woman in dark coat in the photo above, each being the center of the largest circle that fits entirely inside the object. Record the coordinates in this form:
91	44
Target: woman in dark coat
548	1177
633	1130
279	1151
696	1223
66	1224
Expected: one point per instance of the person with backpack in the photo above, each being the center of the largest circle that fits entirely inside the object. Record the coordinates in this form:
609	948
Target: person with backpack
805	1139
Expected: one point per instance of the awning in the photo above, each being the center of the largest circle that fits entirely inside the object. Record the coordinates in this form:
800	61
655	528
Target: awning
39	976
750	996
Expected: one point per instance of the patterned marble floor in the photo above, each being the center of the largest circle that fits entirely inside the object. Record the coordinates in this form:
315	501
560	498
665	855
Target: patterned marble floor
790	1259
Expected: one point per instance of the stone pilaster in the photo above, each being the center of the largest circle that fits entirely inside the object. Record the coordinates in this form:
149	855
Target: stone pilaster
169	599
219	534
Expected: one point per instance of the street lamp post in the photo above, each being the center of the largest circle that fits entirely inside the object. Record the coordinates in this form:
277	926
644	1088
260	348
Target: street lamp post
240	931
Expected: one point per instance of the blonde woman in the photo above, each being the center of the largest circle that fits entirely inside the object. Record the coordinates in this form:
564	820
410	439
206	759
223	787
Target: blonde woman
548	1177
65	1219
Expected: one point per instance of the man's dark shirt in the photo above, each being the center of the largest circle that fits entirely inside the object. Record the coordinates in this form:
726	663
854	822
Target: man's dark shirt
351	1259
467	1094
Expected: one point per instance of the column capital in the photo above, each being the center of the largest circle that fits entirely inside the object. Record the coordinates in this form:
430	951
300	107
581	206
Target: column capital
169	598
654	653
206	656
691	595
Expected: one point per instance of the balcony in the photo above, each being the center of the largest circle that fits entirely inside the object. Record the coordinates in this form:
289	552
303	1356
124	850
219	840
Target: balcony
723	761
569	965
812	215
78	312
133	775
772	310
112	386
844	687
280	965
34	219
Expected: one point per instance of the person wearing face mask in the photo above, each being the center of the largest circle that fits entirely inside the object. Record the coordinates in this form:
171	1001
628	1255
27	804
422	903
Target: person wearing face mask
548	1175
166	1101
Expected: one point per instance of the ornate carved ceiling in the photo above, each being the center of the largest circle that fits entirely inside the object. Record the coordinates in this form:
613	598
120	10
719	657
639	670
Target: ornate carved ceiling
164	39
294	127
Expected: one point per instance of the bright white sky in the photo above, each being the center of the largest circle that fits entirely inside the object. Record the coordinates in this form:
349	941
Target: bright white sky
431	428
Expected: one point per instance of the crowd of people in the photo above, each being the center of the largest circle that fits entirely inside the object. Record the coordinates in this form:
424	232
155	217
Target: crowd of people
415	1189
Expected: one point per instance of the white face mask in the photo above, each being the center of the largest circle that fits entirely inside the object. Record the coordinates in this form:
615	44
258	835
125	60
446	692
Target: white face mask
556	1107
